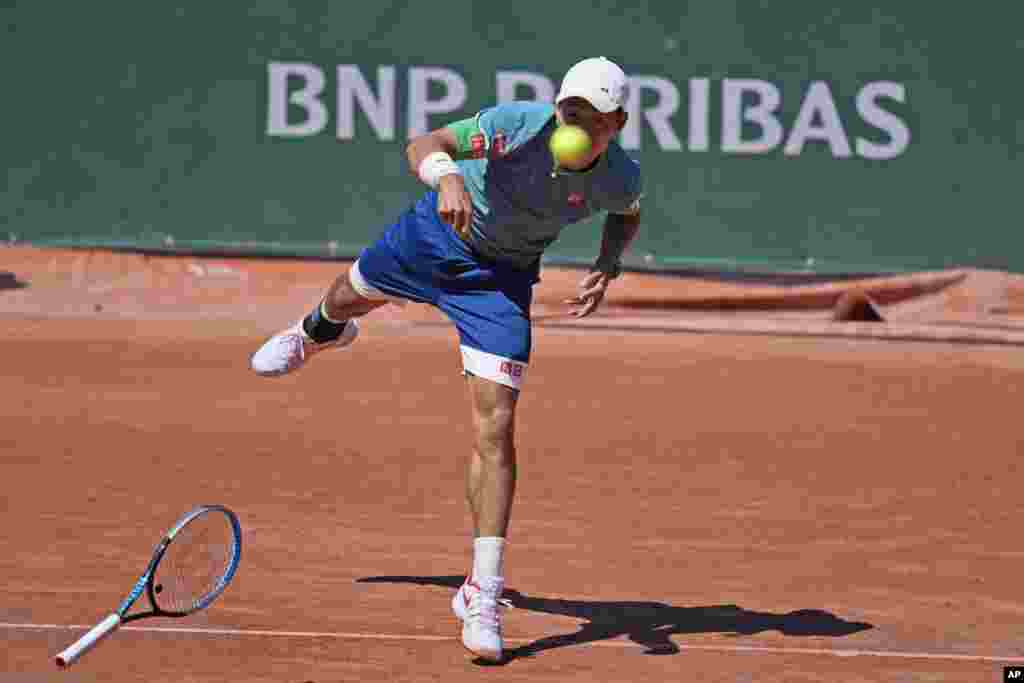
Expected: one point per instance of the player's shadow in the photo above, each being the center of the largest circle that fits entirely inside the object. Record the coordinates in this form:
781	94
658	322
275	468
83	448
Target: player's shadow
649	624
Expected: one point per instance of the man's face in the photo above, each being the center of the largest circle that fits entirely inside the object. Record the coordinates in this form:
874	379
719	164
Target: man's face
602	128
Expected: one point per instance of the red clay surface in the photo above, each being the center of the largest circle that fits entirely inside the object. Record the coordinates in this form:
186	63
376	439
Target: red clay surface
699	507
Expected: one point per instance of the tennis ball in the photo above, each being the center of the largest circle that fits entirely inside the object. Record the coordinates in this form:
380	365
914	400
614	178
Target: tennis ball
569	145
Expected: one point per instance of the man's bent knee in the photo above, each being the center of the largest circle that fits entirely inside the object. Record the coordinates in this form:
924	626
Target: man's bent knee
362	288
343	300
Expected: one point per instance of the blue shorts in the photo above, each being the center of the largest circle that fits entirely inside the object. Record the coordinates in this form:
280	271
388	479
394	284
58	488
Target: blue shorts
422	259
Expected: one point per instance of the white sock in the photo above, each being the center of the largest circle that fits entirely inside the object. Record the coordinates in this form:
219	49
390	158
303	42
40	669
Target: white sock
488	556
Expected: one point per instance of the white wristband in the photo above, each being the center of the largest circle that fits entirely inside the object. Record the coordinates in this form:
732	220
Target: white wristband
435	165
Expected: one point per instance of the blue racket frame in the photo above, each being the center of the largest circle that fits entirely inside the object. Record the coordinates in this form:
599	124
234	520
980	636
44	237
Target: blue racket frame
145	582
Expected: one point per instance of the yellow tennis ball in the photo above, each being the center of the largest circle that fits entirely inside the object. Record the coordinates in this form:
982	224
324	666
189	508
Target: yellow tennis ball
569	145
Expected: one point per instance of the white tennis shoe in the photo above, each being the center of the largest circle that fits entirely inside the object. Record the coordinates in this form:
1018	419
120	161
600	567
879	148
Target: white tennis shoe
479	606
288	350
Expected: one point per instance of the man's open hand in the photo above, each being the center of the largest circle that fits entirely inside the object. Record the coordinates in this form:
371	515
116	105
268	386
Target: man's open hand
590	294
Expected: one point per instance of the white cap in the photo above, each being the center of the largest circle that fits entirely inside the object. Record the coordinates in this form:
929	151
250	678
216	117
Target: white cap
598	80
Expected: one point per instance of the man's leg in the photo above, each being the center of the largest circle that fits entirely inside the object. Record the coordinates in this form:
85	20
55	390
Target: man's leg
495	336
343	301
330	325
491	477
490	487
394	268
495	339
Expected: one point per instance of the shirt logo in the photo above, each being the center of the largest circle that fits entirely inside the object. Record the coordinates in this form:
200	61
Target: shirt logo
478	144
479	150
499	147
575	199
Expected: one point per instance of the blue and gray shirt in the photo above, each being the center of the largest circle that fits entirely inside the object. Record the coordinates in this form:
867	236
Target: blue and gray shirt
521	200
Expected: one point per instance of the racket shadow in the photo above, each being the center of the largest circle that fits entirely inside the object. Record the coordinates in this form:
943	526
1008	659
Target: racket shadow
648	624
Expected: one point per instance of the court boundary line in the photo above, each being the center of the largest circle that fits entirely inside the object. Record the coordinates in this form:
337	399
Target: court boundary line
422	637
939	332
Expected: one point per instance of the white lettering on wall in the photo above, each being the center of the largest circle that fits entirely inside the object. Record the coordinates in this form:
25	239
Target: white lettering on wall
421	106
508	83
307	97
762	113
749	112
893	126
818	105
379	109
657	117
700	103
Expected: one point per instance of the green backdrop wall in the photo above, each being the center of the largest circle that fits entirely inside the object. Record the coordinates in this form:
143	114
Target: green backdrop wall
867	136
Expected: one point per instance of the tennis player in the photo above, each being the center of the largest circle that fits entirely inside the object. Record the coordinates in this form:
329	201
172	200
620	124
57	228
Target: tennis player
471	246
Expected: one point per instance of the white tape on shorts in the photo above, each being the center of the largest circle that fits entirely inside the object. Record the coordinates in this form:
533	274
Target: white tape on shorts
505	371
368	291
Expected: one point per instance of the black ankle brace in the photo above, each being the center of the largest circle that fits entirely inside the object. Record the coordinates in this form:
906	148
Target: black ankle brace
320	329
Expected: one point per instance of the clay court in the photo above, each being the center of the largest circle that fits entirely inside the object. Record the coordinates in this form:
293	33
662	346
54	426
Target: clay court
718	481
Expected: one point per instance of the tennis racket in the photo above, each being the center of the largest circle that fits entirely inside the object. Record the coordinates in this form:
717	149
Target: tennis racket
191	566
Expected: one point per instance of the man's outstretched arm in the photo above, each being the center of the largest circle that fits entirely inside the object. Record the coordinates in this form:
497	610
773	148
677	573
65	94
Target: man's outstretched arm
620	229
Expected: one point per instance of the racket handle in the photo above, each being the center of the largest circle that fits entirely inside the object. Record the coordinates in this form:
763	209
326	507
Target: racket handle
89	640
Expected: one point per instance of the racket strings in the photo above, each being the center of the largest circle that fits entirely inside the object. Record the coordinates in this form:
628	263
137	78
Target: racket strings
192	571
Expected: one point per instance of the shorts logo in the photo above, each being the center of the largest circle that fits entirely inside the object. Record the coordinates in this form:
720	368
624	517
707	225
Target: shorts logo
478	144
576	199
511	369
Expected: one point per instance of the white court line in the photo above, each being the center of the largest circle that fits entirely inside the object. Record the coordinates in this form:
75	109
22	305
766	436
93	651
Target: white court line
763	649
